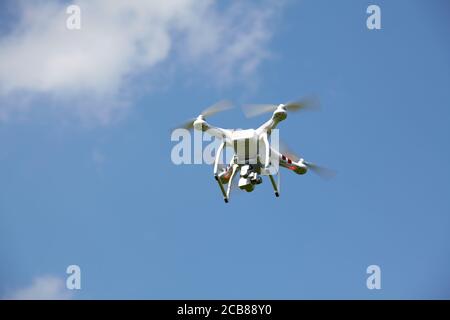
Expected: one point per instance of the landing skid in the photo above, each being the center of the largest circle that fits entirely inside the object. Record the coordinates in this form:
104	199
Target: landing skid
276	187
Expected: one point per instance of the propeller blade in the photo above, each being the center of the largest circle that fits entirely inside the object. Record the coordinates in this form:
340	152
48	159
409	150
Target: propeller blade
253	110
308	103
321	171
220	106
188	125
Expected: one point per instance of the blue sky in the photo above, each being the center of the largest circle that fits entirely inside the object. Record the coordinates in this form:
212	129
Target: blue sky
86	176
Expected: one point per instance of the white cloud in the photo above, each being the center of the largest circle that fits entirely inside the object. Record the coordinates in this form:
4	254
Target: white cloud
120	39
43	288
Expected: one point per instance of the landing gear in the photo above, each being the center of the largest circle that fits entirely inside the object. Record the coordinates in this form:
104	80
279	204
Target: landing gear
225	197
274	185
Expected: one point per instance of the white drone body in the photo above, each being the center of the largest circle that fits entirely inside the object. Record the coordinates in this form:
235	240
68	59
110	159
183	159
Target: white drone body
253	155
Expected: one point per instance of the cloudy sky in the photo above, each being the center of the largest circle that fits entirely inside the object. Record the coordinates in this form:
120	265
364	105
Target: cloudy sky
86	176
122	43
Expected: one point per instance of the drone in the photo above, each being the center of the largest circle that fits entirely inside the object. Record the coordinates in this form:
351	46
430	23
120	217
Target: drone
253	156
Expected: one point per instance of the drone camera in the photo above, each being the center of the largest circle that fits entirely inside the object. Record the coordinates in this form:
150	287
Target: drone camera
246	170
249	178
254	178
246	184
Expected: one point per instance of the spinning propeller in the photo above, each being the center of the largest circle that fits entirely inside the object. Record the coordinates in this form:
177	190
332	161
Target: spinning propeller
220	106
253	110
321	171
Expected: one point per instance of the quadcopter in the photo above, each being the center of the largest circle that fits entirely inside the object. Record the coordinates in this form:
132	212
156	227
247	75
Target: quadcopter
253	156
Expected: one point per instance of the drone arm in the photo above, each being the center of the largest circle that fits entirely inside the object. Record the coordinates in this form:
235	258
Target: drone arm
297	166
267	126
276	118
204	126
216	132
